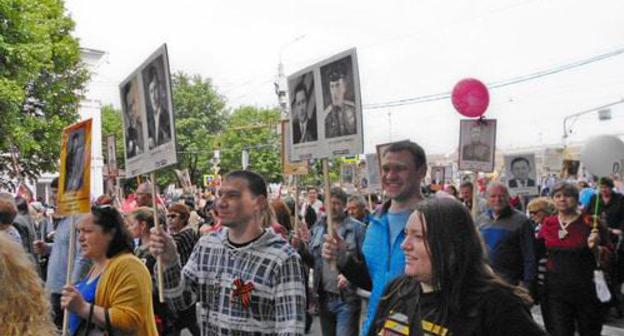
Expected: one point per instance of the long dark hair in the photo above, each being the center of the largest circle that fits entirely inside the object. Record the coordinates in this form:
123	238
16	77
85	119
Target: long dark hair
111	220
460	273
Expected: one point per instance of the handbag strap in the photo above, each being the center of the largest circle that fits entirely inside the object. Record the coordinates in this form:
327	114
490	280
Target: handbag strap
109	327
89	318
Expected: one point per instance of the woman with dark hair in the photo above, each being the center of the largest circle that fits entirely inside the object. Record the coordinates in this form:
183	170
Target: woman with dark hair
448	288
116	294
184	235
141	220
185	238
570	301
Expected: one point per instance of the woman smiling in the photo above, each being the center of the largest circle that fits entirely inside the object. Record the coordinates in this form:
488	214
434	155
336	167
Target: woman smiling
448	289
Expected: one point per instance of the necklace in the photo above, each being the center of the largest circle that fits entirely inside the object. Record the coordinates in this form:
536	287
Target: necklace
563	226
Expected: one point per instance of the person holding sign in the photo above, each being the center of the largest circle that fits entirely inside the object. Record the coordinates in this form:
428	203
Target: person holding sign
116	294
340	305
403	166
340	117
57	253
570	299
247	279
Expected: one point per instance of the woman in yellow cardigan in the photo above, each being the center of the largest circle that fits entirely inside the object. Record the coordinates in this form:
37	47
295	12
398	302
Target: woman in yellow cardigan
116	295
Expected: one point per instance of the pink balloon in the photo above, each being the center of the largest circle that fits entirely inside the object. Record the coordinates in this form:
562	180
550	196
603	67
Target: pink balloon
470	97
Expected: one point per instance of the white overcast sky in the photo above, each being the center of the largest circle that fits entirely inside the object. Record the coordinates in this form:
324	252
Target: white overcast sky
405	49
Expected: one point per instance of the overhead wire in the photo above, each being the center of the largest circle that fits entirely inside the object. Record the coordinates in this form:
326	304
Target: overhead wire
499	84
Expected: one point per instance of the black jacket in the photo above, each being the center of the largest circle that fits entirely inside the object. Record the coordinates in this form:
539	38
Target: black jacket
495	311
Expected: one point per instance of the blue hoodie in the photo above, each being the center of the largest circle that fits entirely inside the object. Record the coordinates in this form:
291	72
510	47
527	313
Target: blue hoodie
385	261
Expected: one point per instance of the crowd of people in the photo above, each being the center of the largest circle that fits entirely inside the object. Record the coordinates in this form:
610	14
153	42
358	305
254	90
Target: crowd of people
452	261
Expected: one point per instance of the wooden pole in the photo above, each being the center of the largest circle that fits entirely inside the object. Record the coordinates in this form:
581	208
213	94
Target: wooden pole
70	269
328	207
475	196
161	294
296	222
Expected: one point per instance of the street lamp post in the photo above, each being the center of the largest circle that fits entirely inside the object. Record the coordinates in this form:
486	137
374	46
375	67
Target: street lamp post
569	120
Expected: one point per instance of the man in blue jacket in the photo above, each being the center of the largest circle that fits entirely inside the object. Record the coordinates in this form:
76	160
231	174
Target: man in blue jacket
508	235
403	166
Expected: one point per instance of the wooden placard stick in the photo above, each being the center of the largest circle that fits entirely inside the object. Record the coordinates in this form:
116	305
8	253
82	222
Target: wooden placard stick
161	294
475	196
71	255
296	214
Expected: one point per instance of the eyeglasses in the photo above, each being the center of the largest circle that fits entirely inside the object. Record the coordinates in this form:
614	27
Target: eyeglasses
534	212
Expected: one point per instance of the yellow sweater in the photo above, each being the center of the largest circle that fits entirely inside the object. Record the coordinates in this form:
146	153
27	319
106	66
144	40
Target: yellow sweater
125	288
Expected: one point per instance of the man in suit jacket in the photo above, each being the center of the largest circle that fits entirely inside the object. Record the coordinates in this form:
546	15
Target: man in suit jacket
304	125
520	168
158	121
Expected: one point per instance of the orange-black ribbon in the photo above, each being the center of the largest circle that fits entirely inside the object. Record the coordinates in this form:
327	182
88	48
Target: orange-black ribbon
242	290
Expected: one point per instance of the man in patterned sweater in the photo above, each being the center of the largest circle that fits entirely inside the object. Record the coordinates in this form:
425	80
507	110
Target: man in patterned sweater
248	280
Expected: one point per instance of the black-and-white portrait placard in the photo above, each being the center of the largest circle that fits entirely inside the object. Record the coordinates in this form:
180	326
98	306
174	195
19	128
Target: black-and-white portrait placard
477	144
521	174
148	116
326	109
372	172
438	175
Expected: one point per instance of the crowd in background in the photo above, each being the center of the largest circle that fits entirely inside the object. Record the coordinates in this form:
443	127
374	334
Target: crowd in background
416	254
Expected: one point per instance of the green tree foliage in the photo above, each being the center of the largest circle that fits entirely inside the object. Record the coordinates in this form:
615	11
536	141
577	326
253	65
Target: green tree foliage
112	124
200	114
314	177
41	81
255	129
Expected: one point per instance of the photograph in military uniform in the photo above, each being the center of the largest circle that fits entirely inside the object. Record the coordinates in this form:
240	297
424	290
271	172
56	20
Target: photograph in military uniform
521	174
477	142
75	161
159	118
303	108
339	109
